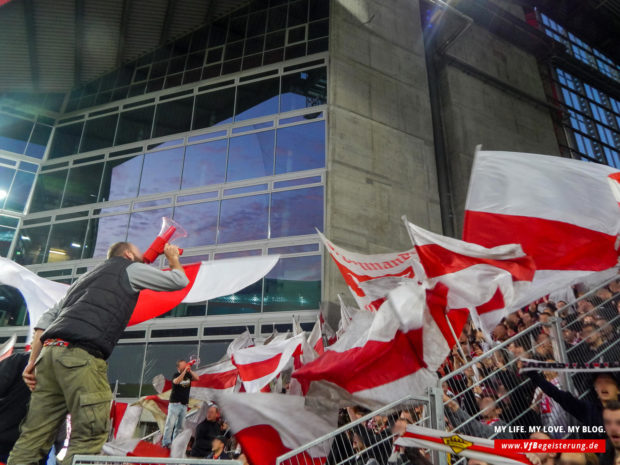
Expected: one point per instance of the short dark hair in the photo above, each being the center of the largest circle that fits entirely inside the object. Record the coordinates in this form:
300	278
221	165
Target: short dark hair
612	405
590	325
118	249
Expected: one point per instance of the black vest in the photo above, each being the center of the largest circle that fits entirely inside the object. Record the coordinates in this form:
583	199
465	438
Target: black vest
97	308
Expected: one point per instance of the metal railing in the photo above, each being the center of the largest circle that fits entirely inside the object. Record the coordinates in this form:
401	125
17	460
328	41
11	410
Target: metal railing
124	460
365	440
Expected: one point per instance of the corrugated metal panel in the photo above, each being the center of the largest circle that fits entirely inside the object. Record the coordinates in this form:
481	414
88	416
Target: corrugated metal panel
14	55
102	22
144	28
188	15
55	26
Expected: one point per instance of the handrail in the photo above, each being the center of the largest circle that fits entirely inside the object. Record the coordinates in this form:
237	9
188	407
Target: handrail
348	426
149	460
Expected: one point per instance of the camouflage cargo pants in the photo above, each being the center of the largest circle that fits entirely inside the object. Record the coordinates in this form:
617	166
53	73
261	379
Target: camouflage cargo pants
69	380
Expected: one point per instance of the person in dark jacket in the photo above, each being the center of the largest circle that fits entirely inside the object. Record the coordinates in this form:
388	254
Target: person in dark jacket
611	420
206	431
607	389
217	449
71	343
14	398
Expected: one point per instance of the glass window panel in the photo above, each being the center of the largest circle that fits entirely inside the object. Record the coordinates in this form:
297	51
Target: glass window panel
300	147
296	212
83	185
121	178
256	23
161	358
247	300
214	108
16	201
125	366
277	19
238	253
14	133
297	13
173	117
144	226
38	140
13	311
293	284
48	191
250	156
243	219
304	89
275	40
200	222
6	237
134	125
66	241
66	140
212	351
161	171
99	133
205	164
6	179
31	244
257	99
103	233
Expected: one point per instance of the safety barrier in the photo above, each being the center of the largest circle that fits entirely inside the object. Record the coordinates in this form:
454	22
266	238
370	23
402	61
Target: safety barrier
124	460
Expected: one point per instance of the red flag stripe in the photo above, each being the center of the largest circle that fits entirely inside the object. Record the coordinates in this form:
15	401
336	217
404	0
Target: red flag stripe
437	302
223	380
495	303
554	245
438	261
257	370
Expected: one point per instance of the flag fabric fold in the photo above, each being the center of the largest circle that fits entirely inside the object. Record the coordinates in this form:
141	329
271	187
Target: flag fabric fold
561	211
270	425
485	281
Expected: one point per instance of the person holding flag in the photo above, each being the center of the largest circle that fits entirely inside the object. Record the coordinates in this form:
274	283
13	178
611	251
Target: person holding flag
72	341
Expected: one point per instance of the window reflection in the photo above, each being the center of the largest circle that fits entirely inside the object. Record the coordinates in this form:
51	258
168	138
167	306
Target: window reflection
134	125
104	232
296	212
257	99
66	140
247	300
304	89
293	284
243	219
18	196
83	185
121	178
125	366
250	156
173	117
161	171
6	179
38	140
6	237
48	191
212	351
161	358
13	310
205	164
144	226
31	244
99	133
200	222
66	241
300	147
214	108
14	133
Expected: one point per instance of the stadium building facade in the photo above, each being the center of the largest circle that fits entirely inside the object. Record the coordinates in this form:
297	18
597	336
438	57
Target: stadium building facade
277	118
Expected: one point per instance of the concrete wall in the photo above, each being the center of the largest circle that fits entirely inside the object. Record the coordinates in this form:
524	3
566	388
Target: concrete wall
380	155
478	112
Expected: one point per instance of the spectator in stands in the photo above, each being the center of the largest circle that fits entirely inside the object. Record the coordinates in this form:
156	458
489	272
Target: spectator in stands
179	398
551	413
217	449
481	429
210	428
593	341
476	462
14	398
611	421
541	458
607	388
544	347
578	458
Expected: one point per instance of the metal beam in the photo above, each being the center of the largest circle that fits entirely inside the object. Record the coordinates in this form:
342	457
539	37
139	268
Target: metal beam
31	33
122	33
165	28
79	41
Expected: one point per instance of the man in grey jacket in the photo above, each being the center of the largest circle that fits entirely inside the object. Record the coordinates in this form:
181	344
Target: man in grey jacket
67	369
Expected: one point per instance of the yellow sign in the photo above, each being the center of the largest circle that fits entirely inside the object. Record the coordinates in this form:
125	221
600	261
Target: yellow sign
457	443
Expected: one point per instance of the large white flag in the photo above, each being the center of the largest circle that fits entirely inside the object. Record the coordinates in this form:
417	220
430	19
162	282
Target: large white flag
562	212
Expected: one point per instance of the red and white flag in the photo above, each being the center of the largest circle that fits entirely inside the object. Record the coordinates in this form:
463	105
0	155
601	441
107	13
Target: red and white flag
384	355
6	349
315	338
485	281
561	211
270	425
346	315
458	444
260	365
359	269
242	341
